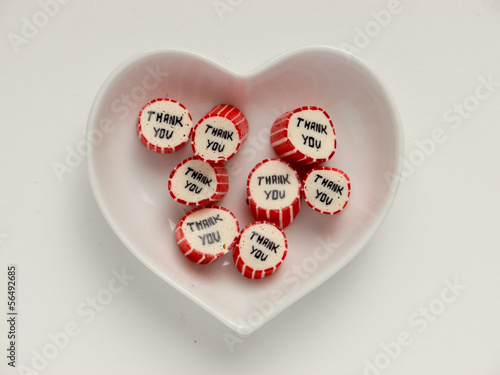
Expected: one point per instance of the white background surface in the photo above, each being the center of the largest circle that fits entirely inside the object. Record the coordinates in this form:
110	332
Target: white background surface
443	227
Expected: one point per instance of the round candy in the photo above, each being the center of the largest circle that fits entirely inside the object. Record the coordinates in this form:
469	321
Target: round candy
205	234
260	250
326	189
304	136
197	182
220	133
273	190
164	125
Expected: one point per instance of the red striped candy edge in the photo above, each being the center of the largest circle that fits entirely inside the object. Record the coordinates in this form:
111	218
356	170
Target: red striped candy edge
281	217
284	147
234	115
324	168
195	255
248	271
221	178
152	146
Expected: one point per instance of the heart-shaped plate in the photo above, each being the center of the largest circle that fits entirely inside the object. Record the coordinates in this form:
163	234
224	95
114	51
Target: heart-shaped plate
130	181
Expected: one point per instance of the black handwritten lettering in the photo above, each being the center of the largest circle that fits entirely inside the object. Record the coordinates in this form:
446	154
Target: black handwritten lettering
210	238
163	133
257	253
329	184
323	198
215	146
274	194
264	241
220	133
314	126
205	223
311	142
198	176
275	179
166	118
193	187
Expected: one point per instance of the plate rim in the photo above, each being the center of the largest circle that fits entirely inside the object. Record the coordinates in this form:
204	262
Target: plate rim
243	330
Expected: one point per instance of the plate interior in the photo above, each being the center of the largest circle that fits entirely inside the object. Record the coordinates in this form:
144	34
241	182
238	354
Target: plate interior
130	182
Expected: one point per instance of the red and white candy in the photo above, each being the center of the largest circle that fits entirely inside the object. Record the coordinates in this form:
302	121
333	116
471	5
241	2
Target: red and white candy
164	125
273	190
220	133
196	182
260	250
304	136
205	234
326	190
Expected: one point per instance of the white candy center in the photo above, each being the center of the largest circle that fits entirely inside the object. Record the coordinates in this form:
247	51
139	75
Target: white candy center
311	133
216	139
194	181
274	185
210	230
326	190
165	123
262	246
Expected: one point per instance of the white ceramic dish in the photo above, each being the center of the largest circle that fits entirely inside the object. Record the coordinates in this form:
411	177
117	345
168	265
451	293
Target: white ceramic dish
130	182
